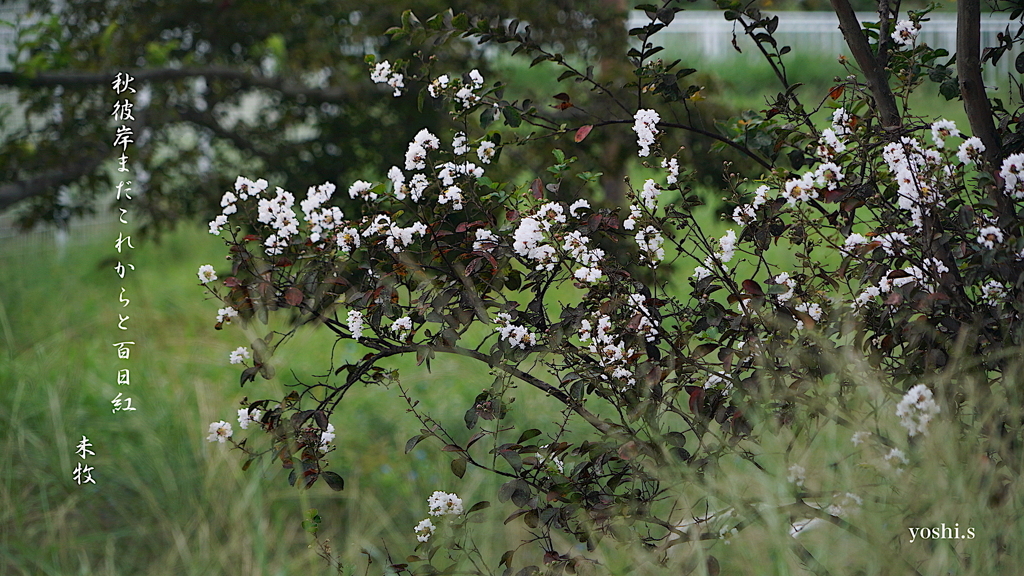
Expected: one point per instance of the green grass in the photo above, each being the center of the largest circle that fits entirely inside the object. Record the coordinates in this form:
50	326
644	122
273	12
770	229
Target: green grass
168	502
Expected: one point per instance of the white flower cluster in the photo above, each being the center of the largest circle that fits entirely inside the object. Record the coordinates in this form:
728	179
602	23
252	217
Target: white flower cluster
970	151
672	165
744	214
239	355
942	129
891	241
916	410
918	173
416	154
438	85
576	244
355	324
424	530
247	416
634	215
812	309
440	504
989	236
485	240
224	315
244	189
382	74
326	437
443	504
517	336
994	293
401	326
789	283
906	32
529	238
650	194
1013	182
645	124
466	94
578	205
650	242
612	353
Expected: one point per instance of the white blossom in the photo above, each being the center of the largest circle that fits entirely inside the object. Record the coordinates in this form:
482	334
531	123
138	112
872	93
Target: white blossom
916	410
206	274
970	150
578	205
219	432
459	146
646	127
797	475
994	293
326	437
486	151
355	324
401	326
441	503
942	129
485	240
672	165
225	315
424	530
238	356
650	194
906	32
245	417
438	85
989	236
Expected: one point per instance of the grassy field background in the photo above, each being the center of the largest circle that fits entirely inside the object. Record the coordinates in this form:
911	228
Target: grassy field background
168	502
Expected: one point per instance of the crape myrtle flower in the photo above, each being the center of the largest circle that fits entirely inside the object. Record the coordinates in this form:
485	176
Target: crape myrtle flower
916	410
646	127
906	32
238	356
219	432
424	530
442	504
206	274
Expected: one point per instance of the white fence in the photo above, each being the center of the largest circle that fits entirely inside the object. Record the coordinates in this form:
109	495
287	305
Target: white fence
707	34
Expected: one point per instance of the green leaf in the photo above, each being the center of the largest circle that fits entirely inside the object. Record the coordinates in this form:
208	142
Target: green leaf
334	480
413	442
459	468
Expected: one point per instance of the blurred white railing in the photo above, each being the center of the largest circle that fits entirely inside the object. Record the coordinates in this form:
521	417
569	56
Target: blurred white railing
707	34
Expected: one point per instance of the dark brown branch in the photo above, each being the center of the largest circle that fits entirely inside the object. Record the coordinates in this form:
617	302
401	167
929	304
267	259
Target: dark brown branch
72	79
874	74
746	151
15	192
559	395
972	87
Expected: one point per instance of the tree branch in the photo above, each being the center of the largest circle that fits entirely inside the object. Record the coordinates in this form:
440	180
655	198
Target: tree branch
972	87
74	79
15	192
874	74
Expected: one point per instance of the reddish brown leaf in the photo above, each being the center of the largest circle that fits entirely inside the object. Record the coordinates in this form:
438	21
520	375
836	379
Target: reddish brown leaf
537	188
836	93
293	296
752	288
583	132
